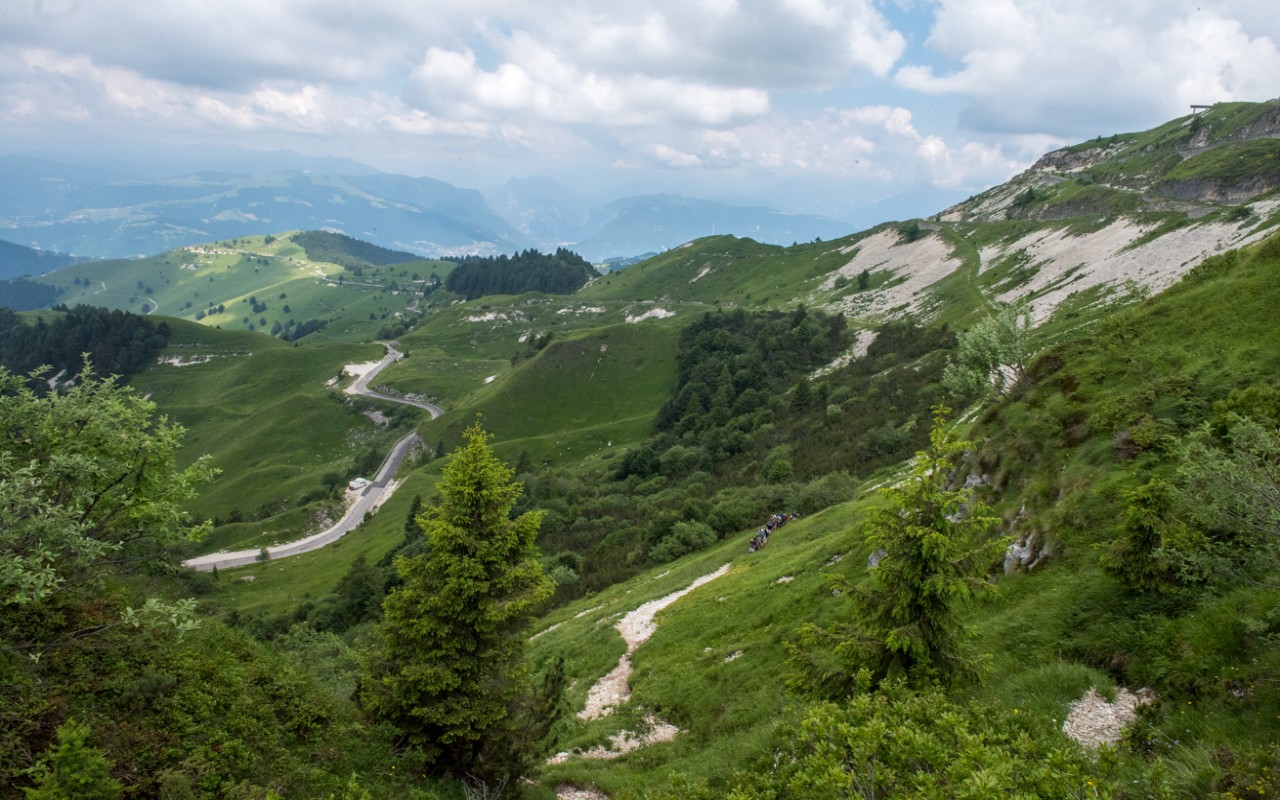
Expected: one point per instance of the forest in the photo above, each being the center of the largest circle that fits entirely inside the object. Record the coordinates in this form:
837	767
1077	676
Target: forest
24	294
562	272
114	342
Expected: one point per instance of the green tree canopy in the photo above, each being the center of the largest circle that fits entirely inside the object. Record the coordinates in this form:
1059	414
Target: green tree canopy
993	353
89	483
451	671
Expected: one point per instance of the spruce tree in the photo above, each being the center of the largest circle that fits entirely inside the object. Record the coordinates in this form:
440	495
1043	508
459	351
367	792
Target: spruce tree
933	537
932	545
451	671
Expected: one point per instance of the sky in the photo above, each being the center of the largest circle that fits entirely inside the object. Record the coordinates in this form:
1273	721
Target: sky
818	106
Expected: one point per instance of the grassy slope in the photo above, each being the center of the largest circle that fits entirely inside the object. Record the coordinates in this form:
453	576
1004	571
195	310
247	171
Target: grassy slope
261	409
1053	633
199	279
724	270
594	391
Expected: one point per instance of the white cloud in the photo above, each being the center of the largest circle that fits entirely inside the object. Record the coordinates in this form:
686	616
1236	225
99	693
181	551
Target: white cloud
539	83
1033	65
876	145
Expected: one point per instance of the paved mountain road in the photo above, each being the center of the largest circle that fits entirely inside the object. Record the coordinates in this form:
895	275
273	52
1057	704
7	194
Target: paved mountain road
370	495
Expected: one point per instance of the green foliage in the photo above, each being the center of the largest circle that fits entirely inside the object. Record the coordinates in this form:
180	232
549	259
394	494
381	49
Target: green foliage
73	769
88	482
563	272
450	672
685	537
1140	559
934	548
24	294
900	743
337	248
1230	486
908	232
778	465
993	355
115	342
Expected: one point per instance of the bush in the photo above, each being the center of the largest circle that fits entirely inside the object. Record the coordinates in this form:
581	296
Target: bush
685	537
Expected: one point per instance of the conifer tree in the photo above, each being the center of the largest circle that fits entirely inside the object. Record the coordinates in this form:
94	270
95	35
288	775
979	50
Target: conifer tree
933	539
451	671
73	768
932	546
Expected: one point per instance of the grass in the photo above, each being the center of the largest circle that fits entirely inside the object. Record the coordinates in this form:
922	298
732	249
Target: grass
594	391
269	269
261	409
278	586
1048	636
725	708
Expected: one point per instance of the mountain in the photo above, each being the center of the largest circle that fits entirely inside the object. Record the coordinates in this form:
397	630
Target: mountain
546	211
16	260
113	214
652	223
662	414
103	214
553	215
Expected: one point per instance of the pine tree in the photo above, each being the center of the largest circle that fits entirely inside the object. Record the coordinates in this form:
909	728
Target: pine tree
933	539
73	768
932	544
451	671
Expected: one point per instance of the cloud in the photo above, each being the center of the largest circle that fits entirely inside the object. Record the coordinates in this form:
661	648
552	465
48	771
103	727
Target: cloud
768	44
875	145
537	82
1094	66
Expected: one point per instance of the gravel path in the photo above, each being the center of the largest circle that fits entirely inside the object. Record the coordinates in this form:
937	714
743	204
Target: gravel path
636	627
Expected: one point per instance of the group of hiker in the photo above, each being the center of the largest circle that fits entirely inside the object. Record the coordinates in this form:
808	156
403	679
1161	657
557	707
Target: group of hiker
762	536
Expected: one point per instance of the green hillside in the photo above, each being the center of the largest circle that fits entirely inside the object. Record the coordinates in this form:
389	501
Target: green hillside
1123	430
594	392
270	418
262	283
1100	416
724	270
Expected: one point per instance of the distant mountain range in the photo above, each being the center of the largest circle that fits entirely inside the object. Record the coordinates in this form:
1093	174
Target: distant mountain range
16	260
99	213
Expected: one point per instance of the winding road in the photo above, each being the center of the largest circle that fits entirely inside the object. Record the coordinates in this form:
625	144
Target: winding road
370	496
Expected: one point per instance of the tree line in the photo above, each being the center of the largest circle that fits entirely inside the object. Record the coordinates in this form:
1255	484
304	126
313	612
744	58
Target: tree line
562	272
116	342
24	294
348	252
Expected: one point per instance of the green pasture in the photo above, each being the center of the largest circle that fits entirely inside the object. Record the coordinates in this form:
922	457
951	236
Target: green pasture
197	280
279	585
725	270
263	410
590	393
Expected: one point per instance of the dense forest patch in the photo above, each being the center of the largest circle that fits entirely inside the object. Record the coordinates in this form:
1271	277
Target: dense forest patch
562	272
116	342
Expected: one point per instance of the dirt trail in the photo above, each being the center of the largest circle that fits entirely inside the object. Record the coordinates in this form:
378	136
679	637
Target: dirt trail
612	690
636	627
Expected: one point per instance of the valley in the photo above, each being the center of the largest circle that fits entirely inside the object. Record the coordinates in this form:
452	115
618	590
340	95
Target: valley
1114	444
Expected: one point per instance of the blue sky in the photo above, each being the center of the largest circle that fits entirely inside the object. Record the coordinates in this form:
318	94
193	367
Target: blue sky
808	105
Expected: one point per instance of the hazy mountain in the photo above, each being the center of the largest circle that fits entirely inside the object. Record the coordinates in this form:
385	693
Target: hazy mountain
552	214
544	210
17	260
127	211
662	221
94	212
